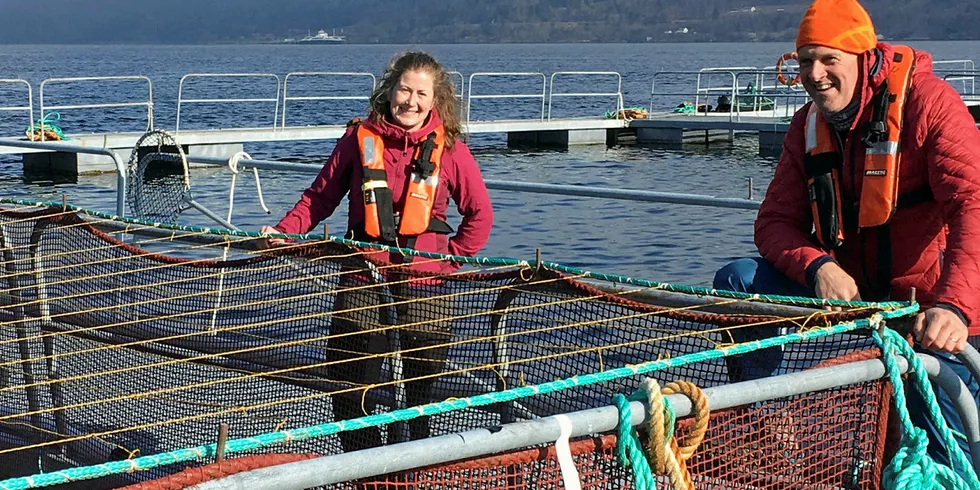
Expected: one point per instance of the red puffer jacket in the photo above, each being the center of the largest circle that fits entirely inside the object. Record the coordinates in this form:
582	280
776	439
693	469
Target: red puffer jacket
935	244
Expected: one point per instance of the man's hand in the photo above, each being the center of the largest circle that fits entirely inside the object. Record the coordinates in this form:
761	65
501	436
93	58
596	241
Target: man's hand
940	330
831	282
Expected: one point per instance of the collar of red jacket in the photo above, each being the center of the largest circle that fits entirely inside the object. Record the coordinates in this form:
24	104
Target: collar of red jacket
923	64
387	130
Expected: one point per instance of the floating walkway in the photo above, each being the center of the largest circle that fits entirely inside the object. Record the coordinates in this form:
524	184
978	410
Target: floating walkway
532	109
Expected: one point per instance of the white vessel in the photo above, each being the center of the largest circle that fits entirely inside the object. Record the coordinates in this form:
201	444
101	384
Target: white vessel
321	37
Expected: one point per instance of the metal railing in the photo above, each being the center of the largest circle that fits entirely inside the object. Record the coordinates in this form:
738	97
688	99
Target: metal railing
325	74
969	82
959	70
29	108
228	100
148	103
618	94
121	171
792	98
346	467
542	95
709	73
460	92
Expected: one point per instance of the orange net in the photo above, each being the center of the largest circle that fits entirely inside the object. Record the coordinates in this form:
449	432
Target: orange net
829	439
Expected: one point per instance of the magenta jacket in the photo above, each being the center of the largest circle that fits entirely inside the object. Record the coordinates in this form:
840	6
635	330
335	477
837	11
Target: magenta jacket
459	179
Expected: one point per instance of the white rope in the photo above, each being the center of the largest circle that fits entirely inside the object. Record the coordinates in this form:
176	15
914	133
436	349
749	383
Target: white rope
569	473
233	166
233	162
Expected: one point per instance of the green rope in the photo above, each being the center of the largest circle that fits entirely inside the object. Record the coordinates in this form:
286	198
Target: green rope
477	261
685	108
295	435
47	124
912	468
629	450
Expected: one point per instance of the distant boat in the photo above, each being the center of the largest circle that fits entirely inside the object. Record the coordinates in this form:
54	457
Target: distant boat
321	37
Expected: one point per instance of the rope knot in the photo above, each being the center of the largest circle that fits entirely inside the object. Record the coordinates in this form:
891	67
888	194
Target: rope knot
669	457
912	468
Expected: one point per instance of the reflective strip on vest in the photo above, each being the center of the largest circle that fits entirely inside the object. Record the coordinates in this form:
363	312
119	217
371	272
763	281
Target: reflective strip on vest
879	185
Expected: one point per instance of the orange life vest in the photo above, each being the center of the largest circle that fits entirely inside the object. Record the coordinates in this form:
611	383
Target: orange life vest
380	218
823	160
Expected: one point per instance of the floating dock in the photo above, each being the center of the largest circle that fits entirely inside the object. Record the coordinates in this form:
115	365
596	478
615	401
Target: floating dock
686	107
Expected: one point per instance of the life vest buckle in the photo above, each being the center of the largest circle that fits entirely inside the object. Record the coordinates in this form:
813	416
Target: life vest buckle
877	132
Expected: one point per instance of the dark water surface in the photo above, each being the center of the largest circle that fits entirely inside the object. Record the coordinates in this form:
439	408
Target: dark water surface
660	242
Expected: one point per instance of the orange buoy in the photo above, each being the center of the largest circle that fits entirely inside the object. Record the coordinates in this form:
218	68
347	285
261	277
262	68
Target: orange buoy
780	77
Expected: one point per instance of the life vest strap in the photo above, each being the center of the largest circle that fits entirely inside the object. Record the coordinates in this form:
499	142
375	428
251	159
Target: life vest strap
878	126
435	225
423	163
374	174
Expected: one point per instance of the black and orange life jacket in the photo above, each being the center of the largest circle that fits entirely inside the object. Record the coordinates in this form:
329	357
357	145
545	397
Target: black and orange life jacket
823	161
381	221
879	199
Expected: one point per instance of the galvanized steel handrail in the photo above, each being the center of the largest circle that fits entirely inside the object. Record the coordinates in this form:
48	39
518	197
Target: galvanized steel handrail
459	93
542	95
504	185
796	92
735	113
285	88
148	104
715	70
697	95
395	458
121	171
181	100
30	98
618	93
963	76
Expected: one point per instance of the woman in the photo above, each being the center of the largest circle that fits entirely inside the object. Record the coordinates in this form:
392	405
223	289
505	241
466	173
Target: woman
399	199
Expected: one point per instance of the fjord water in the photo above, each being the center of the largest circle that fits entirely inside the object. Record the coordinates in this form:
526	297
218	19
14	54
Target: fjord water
655	241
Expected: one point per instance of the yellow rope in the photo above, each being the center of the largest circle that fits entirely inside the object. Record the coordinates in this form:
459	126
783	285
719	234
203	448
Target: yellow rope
382	328
367	286
537	309
669	457
281	402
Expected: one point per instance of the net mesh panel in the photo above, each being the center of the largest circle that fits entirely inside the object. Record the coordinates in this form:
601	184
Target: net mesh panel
114	349
832	439
159	183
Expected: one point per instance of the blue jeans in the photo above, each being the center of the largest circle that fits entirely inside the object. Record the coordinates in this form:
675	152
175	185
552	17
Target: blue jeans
758	276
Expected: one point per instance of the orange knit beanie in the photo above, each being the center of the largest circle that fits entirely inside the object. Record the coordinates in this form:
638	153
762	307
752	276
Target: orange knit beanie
838	24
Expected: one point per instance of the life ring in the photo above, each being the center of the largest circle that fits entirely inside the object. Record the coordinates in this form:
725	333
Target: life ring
779	69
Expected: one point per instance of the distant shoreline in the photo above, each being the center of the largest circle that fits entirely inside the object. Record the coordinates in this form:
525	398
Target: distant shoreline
356	43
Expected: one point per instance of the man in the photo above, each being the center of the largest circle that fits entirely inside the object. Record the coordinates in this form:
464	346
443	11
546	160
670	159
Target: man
877	191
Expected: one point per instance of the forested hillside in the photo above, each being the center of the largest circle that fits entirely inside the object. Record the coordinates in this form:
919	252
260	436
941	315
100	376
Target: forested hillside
452	21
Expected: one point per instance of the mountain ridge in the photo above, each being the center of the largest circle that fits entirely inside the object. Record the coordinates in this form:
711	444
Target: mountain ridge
452	21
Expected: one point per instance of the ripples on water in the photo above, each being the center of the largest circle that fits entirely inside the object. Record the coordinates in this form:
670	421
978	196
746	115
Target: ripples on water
656	241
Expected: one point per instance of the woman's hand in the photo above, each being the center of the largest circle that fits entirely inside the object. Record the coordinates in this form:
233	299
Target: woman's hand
267	243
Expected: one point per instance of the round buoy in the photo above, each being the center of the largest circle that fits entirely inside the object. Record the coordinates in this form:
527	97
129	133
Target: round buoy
780	77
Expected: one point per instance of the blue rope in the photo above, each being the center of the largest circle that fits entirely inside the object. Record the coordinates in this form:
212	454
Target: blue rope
629	451
912	468
377	420
47	122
